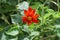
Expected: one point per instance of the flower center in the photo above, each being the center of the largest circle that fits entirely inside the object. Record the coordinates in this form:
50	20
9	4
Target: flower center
29	18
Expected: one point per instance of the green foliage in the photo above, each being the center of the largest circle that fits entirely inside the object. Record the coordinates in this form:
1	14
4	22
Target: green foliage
12	27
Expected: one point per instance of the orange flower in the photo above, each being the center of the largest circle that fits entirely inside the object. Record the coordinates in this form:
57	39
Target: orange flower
30	16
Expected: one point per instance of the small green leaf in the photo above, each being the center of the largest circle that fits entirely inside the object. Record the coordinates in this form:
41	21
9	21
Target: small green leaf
47	15
25	28
49	10
35	33
31	26
57	15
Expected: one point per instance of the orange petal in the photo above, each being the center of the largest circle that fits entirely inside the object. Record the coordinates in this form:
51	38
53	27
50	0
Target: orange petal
24	18
35	21
29	22
29	9
35	16
25	12
33	12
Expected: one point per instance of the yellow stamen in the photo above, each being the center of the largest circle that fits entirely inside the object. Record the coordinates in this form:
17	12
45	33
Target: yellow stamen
29	18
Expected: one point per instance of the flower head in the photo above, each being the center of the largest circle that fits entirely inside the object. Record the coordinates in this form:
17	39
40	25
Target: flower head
30	16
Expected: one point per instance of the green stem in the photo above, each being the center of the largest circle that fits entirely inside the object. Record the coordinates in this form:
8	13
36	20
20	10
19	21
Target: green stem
5	19
58	5
42	13
19	1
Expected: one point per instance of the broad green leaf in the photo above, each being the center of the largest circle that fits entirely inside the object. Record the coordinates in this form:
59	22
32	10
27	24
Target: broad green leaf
57	26
26	39
3	37
14	38
23	6
13	32
25	28
16	19
34	34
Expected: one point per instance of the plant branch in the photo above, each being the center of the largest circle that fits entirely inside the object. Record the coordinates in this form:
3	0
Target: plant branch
50	36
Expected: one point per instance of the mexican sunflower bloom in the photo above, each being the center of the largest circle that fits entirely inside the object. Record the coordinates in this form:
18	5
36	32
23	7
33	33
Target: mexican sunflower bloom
30	16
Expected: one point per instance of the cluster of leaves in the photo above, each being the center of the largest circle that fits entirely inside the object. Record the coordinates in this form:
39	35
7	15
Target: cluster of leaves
12	27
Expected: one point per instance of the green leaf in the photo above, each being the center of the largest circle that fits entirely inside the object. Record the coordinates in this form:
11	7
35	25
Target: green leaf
2	1
16	19
25	28
57	15
23	6
26	38
13	32
31	26
57	26
49	10
5	7
22	37
58	30
47	15
3	25
3	37
16	38
14	2
35	33
36	5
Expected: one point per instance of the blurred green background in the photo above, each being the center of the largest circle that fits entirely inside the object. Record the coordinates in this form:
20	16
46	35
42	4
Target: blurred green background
48	28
